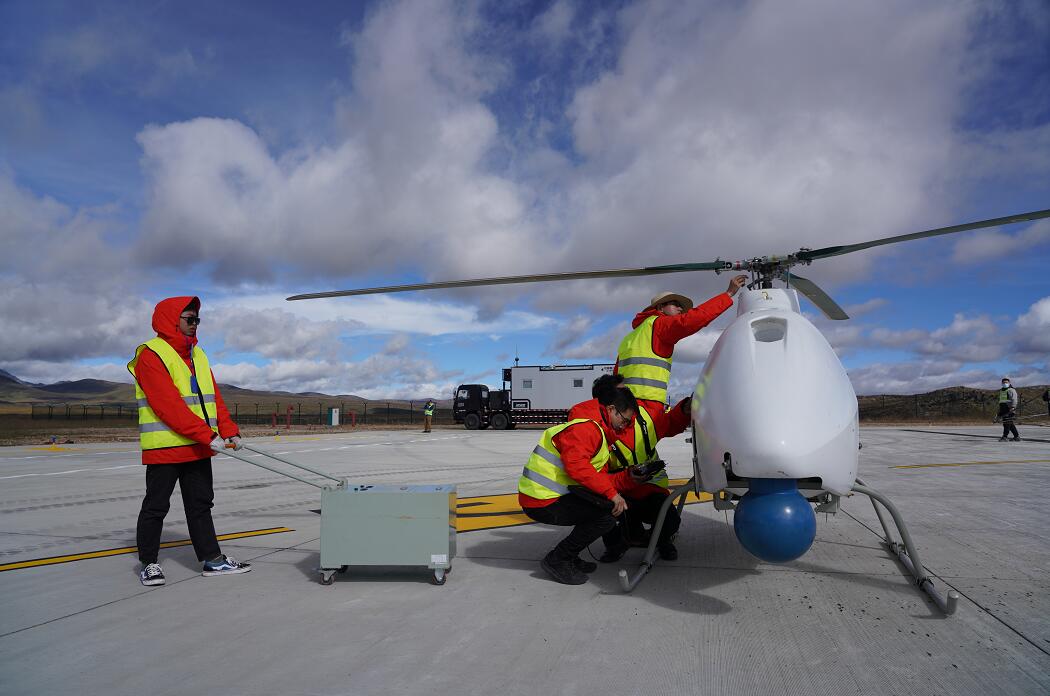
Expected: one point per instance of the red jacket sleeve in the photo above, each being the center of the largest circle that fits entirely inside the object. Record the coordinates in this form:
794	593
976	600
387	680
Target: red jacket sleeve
227	428
668	331
578	444
668	423
166	401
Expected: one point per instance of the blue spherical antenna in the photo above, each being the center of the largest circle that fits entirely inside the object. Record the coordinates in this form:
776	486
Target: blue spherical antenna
774	522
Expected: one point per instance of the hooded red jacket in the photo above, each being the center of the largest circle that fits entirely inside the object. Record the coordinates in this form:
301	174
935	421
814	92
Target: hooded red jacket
163	396
668	424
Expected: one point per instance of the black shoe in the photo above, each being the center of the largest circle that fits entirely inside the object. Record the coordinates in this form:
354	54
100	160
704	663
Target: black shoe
1002	439
667	551
562	571
151	575
1016	439
613	554
584	566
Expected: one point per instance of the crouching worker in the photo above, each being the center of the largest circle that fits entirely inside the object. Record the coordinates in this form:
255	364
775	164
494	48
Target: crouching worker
632	428
566	483
180	409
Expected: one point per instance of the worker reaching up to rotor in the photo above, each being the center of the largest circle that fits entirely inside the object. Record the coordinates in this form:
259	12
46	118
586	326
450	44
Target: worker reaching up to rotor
644	356
632	445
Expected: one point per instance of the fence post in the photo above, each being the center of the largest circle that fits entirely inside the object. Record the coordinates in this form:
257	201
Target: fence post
364	412
388	413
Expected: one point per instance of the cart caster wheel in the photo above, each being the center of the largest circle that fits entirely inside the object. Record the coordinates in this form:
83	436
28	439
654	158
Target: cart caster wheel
327	577
343	569
439	576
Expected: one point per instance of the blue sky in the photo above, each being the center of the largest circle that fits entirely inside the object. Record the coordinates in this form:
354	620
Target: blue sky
245	152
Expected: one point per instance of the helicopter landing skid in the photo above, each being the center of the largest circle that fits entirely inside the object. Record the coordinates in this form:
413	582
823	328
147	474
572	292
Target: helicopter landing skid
906	551
649	559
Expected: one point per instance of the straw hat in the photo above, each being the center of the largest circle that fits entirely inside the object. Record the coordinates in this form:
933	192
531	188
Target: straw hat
662	297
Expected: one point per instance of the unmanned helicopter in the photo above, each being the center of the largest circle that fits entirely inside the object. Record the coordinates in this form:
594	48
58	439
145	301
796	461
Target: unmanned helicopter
793	450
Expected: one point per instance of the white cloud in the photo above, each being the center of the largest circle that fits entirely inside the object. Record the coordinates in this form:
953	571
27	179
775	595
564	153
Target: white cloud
983	247
395	314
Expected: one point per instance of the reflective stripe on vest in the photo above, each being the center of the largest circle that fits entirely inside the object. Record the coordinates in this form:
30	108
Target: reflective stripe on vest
155	433
544	474
644	372
644	449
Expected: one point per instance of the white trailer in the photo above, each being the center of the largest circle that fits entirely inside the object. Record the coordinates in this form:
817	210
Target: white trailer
554	387
531	394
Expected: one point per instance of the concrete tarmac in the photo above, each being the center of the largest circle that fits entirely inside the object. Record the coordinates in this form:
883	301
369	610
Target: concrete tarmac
843	619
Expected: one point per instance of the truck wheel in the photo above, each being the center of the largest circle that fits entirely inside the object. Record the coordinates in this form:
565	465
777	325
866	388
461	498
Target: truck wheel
500	421
471	421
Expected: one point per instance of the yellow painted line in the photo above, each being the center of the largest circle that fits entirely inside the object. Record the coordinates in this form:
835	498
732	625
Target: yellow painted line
498	511
131	549
1005	461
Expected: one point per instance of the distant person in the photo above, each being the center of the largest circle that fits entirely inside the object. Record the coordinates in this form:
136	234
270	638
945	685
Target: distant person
644	356
632	442
180	409
428	415
566	483
1046	398
1008	403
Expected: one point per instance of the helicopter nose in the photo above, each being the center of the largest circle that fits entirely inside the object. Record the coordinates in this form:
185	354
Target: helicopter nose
774	522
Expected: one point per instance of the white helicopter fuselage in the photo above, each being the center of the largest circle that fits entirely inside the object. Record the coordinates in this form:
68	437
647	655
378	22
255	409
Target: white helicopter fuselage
774	396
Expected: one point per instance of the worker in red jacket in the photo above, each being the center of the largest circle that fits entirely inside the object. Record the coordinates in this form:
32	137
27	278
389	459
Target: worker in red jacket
182	423
566	482
631	444
644	356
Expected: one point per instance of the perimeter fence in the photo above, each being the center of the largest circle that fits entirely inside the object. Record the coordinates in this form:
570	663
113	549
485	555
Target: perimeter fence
273	414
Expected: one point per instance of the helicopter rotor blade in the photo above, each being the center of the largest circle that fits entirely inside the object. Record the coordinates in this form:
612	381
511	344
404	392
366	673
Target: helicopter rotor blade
507	280
818	297
812	254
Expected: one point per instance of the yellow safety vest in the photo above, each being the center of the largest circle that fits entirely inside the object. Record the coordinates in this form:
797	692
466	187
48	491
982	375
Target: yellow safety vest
644	372
1004	395
544	474
155	433
644	449
428	409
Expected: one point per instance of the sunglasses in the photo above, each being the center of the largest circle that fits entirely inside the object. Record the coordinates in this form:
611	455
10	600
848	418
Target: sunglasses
192	321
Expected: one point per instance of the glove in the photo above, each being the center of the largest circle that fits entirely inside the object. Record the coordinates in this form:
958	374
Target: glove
217	444
236	442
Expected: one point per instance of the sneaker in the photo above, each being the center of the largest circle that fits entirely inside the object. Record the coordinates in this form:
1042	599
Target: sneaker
151	575
584	566
226	565
613	554
1015	439
667	551
562	571
1002	439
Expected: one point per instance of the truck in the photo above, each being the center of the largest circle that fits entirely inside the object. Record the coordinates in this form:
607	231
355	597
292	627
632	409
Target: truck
531	394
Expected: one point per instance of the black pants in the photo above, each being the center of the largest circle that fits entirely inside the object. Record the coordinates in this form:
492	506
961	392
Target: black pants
588	521
1008	421
645	510
195	483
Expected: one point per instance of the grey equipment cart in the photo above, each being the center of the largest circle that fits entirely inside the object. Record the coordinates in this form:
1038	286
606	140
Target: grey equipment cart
379	525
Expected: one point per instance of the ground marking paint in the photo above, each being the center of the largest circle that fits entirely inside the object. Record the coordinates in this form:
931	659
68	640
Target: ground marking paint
71	471
497	511
1005	461
53	560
